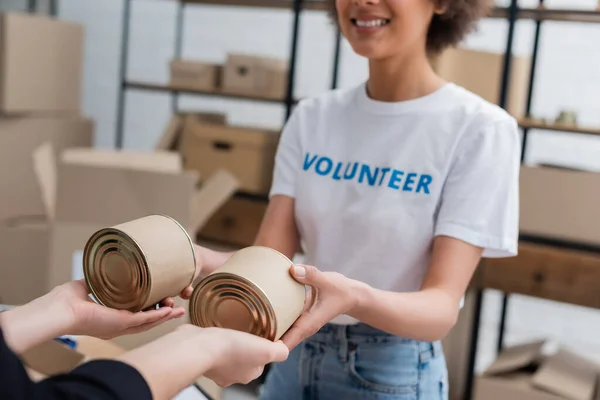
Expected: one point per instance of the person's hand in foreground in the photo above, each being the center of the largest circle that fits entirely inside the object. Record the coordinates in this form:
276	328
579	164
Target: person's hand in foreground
176	360
334	296
68	309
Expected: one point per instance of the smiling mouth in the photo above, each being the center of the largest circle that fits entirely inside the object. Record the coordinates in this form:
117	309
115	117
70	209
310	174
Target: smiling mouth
373	23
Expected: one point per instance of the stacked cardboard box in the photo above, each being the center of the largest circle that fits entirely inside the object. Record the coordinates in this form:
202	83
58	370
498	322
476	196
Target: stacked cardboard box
241	74
207	142
41	61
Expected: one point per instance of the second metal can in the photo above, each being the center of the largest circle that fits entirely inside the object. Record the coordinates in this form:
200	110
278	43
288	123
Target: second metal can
252	292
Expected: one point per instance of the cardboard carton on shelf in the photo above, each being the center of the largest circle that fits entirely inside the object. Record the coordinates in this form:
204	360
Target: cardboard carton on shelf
87	189
560	203
195	75
524	372
255	76
41	64
53	357
481	73
170	140
246	152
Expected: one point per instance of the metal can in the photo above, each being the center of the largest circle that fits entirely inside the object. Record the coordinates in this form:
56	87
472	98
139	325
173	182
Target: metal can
134	265
252	292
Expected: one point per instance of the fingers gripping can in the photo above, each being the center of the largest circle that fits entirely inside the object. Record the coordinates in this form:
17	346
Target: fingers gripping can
135	265
252	292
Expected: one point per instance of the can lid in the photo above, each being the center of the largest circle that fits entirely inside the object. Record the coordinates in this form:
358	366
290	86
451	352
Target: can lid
116	271
229	301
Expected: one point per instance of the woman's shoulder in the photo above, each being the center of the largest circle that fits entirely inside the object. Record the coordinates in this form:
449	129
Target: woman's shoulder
330	100
477	111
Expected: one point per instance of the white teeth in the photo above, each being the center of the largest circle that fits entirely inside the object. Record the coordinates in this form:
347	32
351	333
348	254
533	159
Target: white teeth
371	23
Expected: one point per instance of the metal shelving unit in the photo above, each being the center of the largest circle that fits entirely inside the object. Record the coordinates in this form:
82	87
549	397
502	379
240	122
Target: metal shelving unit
514	13
295	6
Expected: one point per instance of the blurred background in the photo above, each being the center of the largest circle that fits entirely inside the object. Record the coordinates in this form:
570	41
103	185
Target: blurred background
539	60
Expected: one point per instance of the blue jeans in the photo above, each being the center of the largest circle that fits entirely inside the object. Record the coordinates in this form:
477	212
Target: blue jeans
359	362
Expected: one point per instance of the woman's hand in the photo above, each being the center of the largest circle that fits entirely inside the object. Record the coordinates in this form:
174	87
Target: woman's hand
67	309
335	295
92	319
241	356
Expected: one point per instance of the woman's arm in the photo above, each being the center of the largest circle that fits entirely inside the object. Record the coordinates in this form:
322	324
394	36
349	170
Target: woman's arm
428	314
174	361
67	309
158	370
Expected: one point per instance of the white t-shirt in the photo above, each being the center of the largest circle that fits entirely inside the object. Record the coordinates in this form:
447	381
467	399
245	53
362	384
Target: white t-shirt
374	182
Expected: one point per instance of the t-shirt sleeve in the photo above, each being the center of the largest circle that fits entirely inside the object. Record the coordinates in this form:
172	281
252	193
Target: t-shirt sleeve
288	157
480	198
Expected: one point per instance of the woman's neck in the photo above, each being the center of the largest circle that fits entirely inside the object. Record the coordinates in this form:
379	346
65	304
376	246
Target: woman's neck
402	78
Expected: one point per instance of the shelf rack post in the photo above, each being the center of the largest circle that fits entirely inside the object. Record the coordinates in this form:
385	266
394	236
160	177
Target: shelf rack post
336	59
513	11
125	31
289	98
179	26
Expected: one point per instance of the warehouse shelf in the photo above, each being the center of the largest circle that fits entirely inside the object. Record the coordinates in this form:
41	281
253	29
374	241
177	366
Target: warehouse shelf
542	14
549	14
546	14
173	89
286	4
532	124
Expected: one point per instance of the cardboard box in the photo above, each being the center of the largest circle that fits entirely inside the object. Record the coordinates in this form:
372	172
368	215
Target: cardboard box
90	189
195	75
41	64
24	256
247	153
560	204
524	372
20	194
255	76
237	222
170	140
481	73
53	357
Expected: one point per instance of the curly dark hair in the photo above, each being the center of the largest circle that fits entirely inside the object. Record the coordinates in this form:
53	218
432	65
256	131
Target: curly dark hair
449	28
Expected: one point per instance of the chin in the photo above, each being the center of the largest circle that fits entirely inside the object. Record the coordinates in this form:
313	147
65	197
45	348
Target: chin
369	51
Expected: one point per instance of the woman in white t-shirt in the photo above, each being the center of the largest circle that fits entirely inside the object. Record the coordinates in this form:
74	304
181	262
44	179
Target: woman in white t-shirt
394	189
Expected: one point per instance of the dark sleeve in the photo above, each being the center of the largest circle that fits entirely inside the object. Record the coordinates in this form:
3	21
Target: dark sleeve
95	380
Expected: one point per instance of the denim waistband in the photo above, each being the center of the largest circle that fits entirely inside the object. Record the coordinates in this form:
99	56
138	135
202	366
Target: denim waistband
336	335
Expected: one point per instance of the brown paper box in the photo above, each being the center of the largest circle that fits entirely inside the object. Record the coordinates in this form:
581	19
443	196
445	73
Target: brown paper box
247	153
481	73
189	74
20	194
236	222
43	254
24	257
524	373
170	140
257	76
560	204
41	64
